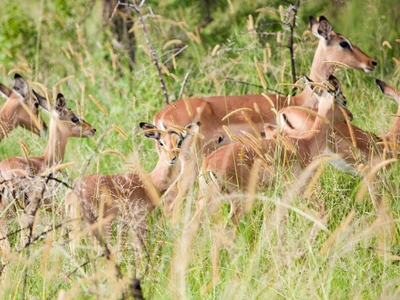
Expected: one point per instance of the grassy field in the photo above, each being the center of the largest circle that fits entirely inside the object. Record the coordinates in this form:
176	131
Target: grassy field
63	45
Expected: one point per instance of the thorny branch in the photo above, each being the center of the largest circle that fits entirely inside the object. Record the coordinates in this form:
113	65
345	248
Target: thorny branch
292	24
153	53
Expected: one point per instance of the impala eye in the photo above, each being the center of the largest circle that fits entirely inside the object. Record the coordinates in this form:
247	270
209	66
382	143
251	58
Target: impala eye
75	119
161	143
36	104
179	144
345	45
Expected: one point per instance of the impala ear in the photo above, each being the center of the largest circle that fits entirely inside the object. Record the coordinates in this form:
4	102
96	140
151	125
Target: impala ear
42	101
192	128
335	83
61	104
5	91
388	90
21	86
321	29
316	90
152	132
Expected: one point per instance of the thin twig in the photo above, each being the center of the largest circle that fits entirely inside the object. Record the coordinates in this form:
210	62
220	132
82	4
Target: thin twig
292	26
176	54
256	85
114	11
153	53
183	85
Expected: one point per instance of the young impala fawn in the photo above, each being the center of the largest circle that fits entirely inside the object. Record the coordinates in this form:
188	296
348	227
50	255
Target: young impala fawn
104	197
20	109
213	111
18	173
232	166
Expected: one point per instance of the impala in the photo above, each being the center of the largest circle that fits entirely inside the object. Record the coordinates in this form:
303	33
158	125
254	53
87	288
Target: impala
230	167
128	196
20	109
357	147
18	173
216	112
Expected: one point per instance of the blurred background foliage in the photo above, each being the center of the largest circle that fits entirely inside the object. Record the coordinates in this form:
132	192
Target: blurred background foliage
73	47
218	42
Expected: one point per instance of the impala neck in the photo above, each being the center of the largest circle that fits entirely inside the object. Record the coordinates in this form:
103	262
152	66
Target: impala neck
320	72
163	175
320	130
58	139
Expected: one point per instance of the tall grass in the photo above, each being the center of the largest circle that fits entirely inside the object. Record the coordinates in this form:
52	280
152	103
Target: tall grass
327	245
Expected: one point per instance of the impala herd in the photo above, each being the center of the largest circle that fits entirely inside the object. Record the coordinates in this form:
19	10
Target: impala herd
228	140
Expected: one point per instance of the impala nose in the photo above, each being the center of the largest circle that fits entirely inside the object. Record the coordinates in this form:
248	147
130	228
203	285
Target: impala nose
374	63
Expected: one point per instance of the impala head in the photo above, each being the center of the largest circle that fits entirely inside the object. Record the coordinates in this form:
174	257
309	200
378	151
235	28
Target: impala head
21	108
66	120
170	139
296	120
389	90
336	47
333	91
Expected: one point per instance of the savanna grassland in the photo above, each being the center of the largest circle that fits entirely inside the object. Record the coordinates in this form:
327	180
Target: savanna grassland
331	245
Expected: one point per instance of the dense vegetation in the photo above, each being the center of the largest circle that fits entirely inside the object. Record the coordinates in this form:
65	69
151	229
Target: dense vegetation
65	46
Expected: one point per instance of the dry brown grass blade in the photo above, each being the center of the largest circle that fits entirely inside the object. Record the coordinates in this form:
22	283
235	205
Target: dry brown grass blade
3	130
153	193
97	103
270	102
252	125
116	153
235	112
172	42
153	130
368	179
252	186
41	86
306	175
34	118
120	131
336	234
60	82
336	64
57	168
286	143
18	70
25	150
314	179
252	138
350	127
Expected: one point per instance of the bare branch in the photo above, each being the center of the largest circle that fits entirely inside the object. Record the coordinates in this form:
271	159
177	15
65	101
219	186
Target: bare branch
153	53
183	85
292	26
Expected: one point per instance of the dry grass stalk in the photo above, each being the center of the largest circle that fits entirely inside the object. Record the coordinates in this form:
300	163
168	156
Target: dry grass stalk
120	131
110	151
336	234
97	103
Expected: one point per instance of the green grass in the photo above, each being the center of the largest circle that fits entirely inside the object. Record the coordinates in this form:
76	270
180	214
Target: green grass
267	259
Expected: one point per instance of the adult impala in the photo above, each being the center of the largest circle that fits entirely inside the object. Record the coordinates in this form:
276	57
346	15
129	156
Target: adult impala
214	112
18	173
230	167
128	196
20	109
